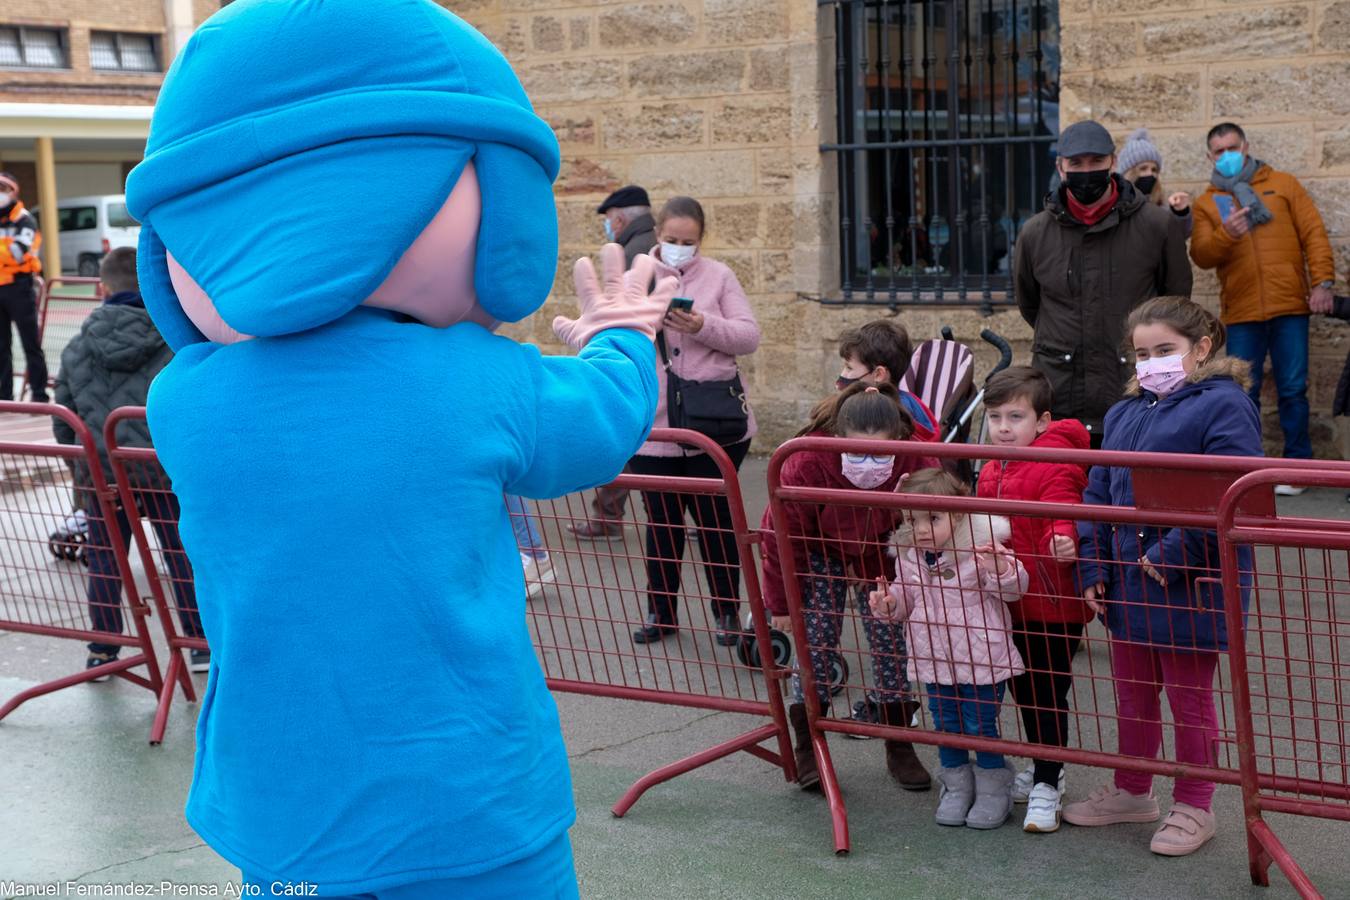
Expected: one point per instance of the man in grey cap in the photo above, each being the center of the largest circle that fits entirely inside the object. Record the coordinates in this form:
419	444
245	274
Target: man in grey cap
1097	250
628	222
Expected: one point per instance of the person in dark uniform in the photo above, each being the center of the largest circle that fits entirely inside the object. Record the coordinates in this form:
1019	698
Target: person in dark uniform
19	243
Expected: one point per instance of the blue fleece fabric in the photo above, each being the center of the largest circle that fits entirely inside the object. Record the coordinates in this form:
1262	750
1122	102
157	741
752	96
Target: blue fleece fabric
1215	417
374	713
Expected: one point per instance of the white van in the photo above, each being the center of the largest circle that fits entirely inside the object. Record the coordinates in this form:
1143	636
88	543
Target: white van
90	227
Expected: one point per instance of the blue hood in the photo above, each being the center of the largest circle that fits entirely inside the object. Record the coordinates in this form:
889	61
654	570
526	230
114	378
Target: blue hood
299	147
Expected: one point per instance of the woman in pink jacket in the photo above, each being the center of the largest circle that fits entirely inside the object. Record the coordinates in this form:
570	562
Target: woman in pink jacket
954	580
701	344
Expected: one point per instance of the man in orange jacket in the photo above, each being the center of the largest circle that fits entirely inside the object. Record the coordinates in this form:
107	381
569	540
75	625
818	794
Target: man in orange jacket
19	243
1261	230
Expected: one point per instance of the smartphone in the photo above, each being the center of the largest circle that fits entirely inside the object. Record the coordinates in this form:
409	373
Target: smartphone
683	304
1225	204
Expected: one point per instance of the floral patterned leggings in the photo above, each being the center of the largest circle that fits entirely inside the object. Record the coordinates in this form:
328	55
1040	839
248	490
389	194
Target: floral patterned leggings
824	597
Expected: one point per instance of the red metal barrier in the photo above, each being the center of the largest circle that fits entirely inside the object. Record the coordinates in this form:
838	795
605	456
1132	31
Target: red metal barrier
1172	492
1295	668
144	492
585	603
61	314
45	588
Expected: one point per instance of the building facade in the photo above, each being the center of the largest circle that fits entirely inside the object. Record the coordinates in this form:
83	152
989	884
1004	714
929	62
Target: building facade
857	158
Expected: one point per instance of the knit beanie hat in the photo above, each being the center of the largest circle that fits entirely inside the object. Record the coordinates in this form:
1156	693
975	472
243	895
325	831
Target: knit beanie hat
1138	148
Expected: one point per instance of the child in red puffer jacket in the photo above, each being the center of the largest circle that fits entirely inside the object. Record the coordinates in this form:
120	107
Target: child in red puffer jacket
1050	618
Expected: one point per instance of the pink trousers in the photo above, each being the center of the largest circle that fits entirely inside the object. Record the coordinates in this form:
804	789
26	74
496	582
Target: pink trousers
1141	672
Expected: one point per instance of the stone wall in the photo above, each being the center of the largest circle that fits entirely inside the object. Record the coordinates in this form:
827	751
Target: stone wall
1281	70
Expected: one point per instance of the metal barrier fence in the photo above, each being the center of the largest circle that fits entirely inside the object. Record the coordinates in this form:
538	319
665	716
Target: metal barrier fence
1296	667
64	302
144	491
64	570
586	599
968	633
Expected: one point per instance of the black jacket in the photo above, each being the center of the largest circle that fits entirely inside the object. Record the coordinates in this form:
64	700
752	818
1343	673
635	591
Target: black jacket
111	363
1341	406
1076	284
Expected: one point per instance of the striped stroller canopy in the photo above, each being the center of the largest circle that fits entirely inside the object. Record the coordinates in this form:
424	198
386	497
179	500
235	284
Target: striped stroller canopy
942	375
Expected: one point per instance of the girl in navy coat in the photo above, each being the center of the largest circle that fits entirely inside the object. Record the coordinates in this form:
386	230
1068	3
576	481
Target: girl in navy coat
1167	625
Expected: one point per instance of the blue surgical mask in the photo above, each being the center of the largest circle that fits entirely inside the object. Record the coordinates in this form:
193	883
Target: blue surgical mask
609	231
1229	163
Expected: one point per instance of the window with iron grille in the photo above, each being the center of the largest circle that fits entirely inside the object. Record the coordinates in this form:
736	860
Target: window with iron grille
35	48
126	52
947	115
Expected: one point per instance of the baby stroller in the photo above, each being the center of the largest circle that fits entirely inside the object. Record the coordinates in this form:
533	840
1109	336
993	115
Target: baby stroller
942	375
67	542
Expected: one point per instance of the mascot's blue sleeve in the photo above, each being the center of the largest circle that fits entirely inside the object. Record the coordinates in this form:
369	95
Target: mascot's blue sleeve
593	414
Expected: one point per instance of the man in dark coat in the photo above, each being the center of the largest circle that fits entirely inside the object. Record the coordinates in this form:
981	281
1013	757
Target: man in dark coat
20	240
1097	250
628	222
111	363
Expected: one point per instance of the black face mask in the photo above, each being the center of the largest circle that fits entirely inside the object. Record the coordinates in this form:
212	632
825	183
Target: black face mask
842	382
1087	187
1145	184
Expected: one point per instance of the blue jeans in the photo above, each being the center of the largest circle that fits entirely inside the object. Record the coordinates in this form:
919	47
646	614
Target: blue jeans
525	527
1285	338
966	709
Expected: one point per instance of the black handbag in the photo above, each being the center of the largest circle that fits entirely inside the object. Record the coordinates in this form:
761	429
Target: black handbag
717	409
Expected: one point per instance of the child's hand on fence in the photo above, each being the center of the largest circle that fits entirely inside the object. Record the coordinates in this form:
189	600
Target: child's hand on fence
1095	597
1063	548
1152	571
993	559
881	602
782	623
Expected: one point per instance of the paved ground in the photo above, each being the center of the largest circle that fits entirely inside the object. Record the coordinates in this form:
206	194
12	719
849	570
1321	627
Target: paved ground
85	799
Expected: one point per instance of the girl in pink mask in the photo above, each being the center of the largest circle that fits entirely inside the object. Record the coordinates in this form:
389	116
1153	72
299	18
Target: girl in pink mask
843	547
1153	585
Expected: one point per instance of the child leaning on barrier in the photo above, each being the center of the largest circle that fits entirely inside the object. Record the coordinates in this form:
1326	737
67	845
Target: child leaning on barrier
954	581
831	543
1167	625
1050	617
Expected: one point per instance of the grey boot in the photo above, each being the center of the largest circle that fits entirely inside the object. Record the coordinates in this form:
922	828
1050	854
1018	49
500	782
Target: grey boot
993	798
956	791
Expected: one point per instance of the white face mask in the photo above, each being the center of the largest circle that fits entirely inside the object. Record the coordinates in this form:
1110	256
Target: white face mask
676	255
6	198
865	471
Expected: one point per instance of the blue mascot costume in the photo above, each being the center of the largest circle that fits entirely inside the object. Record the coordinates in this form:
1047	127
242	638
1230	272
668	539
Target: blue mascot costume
340	200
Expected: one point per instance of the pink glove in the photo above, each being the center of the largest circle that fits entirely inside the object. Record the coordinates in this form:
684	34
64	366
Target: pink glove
624	302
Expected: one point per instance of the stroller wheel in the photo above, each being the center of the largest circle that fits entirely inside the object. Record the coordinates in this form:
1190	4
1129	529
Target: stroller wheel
747	649
838	675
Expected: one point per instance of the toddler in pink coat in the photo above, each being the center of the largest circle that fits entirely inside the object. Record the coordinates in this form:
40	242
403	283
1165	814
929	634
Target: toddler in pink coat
954	581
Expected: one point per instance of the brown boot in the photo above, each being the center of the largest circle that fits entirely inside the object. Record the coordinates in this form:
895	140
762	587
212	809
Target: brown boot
808	776
901	760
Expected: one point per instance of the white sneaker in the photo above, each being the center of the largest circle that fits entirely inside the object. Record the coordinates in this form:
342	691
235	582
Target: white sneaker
1043	807
1289	490
538	572
1026	780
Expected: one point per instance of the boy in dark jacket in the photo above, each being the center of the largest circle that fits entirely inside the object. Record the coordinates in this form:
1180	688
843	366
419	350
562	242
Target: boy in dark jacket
1051	615
109	364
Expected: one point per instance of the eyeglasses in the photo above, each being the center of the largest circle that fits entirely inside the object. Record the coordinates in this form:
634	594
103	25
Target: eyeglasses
859	458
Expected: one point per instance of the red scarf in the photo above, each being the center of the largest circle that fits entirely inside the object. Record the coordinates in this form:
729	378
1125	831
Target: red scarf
1091	215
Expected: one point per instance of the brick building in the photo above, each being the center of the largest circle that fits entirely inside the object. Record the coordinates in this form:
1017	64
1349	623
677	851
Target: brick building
78	80
856	158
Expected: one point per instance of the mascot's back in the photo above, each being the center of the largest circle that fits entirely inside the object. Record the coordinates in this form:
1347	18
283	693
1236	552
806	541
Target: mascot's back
374	713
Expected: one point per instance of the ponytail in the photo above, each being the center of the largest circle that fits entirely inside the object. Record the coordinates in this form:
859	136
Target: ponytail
861	407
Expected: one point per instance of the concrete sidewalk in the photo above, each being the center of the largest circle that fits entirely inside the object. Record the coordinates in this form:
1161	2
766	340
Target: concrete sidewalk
85	799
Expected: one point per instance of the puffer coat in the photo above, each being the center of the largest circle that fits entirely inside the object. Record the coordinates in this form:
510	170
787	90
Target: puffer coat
111	363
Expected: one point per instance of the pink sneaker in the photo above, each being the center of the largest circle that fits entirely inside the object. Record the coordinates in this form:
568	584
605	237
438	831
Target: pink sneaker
1184	831
1109	805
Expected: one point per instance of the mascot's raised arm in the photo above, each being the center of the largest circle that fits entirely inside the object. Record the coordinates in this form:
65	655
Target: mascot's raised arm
339	201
